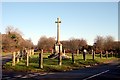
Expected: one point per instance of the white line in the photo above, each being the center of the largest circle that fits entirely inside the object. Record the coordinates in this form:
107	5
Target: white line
96	75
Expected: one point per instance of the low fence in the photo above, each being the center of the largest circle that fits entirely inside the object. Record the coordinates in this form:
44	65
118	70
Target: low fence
25	54
19	55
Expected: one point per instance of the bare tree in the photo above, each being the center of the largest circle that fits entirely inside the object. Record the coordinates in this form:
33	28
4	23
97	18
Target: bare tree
50	42
65	44
42	42
75	44
8	44
99	43
104	43
108	44
28	44
13	40
46	43
82	42
11	29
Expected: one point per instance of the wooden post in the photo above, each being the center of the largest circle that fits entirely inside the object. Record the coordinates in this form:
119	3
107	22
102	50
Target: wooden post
59	57
84	55
21	55
112	54
18	56
13	59
73	59
101	54
77	52
41	59
93	53
27	61
106	54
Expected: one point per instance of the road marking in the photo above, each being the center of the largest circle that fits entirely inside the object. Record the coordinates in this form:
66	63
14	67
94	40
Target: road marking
18	76
96	75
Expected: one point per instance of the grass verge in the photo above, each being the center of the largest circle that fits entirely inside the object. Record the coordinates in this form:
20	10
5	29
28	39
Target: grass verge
51	65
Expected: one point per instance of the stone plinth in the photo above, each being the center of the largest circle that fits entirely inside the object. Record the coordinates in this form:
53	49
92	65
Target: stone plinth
58	47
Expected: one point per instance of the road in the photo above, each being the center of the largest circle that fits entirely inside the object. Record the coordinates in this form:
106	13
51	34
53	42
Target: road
99	72
6	58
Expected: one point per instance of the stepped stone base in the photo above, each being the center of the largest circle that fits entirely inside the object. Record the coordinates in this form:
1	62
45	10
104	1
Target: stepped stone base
54	56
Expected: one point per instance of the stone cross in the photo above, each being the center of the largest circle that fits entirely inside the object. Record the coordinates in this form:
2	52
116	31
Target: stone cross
58	29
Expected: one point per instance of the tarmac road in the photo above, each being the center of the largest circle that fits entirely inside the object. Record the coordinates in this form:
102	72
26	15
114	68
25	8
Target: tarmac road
109	71
112	73
6	58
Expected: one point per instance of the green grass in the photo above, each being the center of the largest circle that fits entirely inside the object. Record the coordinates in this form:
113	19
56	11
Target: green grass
51	65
